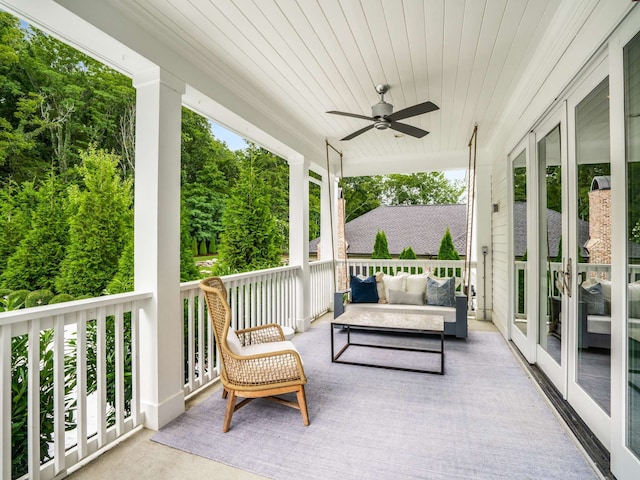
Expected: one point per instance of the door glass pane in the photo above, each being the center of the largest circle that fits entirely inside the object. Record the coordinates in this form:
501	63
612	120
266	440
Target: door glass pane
550	230
520	240
594	245
632	120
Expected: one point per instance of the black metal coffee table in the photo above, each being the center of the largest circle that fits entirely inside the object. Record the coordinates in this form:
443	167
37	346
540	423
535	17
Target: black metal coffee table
382	322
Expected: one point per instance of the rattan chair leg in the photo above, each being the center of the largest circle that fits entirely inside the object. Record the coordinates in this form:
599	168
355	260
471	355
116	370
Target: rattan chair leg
224	392
231	405
302	403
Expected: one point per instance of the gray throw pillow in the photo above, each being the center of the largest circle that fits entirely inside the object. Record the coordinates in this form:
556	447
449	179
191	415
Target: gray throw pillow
441	293
593	297
405	298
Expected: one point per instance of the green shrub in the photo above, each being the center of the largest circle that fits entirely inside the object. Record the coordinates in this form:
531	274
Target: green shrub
203	248
61	298
38	298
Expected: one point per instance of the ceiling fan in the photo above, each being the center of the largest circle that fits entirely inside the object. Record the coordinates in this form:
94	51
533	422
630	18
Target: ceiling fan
383	117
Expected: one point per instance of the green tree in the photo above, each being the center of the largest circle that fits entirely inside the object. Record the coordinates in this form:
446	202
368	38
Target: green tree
16	206
250	238
35	263
123	280
421	189
447	250
188	270
273	172
408	254
380	246
361	195
100	218
208	172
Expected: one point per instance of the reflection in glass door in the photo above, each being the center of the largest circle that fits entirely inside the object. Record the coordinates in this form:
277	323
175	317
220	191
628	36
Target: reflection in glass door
550	244
520	241
593	233
631	55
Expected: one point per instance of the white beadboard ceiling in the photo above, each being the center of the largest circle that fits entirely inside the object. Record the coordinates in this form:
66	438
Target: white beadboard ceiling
294	60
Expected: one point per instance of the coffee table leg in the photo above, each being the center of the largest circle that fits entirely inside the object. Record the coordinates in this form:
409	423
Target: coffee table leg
442	353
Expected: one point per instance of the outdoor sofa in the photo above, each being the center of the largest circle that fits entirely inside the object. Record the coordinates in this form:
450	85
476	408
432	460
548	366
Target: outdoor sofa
404	293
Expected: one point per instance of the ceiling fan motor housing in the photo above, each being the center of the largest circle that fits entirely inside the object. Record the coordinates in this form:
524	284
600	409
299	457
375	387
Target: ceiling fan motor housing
381	110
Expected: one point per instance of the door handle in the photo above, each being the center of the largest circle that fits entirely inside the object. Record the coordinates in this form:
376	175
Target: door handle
567	277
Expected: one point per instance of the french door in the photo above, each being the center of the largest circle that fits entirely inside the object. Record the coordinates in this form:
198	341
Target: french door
554	264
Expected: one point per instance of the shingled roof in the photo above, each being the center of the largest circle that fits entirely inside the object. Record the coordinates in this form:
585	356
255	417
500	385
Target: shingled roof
420	227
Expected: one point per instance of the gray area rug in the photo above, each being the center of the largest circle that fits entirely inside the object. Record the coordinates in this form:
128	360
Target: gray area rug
482	420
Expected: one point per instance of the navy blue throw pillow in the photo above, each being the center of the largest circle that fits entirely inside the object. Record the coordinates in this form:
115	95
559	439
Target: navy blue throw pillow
364	290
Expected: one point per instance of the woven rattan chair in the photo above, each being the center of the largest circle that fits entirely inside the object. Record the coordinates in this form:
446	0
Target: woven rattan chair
256	362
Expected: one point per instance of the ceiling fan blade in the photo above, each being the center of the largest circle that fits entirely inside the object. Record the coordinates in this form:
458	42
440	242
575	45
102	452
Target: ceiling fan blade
357	132
408	129
418	109
355	115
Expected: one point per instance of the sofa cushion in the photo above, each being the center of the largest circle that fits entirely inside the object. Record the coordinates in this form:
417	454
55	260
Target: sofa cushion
382	297
268	347
406	298
417	284
233	342
363	290
391	282
441	292
593	297
633	297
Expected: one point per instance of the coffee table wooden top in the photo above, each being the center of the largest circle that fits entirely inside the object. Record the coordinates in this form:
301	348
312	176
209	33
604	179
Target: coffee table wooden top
391	320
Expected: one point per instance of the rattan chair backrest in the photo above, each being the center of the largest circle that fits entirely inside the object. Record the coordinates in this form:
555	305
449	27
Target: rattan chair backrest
215	295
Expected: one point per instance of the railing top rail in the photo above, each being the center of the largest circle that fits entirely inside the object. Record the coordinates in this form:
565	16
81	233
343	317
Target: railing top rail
243	276
26	314
321	262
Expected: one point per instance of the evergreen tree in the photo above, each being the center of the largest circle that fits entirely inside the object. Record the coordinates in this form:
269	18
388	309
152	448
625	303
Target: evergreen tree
447	250
250	239
16	206
100	217
381	247
35	263
188	270
408	254
123	280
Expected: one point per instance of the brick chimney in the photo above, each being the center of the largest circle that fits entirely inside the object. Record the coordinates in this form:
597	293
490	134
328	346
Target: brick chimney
599	243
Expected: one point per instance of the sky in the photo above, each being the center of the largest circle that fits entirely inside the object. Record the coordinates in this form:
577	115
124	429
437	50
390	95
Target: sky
235	142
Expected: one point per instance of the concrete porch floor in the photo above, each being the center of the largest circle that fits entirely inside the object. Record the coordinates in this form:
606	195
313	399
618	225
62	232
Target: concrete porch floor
138	457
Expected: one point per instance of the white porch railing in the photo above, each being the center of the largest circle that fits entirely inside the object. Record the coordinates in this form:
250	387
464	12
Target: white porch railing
321	281
57	355
440	268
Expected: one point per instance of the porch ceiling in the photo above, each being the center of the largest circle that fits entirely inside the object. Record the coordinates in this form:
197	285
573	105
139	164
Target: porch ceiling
291	61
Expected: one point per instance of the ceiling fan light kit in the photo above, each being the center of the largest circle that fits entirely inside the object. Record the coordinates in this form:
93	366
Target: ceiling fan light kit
383	117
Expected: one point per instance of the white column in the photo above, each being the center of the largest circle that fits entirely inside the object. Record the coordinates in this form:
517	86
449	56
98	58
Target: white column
299	236
157	243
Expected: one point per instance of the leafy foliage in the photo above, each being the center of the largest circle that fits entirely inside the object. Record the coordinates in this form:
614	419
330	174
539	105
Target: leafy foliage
36	261
20	394
363	194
